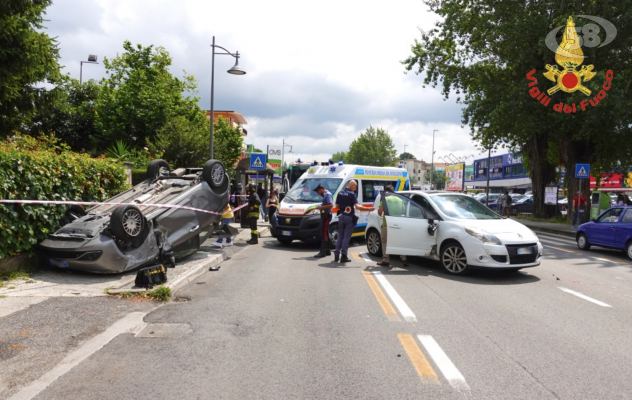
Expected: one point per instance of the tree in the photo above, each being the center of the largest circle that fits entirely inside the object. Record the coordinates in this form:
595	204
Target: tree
28	56
438	179
406	156
227	142
339	156
373	147
140	95
70	116
474	50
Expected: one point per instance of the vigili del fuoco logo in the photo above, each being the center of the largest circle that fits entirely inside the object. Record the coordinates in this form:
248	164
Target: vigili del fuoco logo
569	77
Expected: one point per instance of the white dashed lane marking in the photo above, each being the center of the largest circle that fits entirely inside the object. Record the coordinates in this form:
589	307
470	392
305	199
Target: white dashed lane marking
401	305
447	368
583	296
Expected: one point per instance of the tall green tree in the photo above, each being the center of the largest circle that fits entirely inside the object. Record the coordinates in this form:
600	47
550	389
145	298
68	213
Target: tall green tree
140	95
373	147
28	57
482	51
70	116
228	142
339	156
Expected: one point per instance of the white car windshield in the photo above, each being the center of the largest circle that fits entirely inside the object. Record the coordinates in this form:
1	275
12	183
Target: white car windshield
463	207
303	190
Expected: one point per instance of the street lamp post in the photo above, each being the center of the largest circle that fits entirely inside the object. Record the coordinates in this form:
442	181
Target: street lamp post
92	59
235	70
432	159
283	156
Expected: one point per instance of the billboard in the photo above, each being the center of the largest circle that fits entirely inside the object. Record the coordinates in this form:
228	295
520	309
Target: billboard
454	174
275	154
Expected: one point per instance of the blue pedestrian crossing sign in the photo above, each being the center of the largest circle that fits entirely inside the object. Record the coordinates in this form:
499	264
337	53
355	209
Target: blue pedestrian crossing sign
258	161
582	171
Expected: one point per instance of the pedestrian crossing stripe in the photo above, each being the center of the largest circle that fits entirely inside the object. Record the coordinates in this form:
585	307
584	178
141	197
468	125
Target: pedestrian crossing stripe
582	172
257	163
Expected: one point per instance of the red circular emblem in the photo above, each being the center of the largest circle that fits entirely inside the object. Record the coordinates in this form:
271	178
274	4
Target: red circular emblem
347	209
569	80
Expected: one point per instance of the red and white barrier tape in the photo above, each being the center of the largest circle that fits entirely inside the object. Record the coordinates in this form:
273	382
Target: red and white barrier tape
93	203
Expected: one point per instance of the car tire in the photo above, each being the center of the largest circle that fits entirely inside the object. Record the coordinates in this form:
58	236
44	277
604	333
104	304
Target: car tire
128	224
582	242
333	235
628	250
73	212
284	240
453	259
157	168
214	174
374	243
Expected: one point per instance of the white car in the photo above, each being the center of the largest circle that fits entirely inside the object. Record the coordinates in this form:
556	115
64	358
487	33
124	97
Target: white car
453	228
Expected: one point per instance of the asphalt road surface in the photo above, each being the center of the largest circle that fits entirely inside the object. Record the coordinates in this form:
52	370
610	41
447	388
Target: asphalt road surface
276	323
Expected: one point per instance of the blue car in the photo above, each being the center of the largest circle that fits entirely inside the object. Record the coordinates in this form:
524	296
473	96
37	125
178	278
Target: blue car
612	229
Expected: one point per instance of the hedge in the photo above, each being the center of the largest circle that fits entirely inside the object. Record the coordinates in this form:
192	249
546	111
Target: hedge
42	169
138	175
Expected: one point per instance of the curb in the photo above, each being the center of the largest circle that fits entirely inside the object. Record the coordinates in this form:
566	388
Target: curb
554	231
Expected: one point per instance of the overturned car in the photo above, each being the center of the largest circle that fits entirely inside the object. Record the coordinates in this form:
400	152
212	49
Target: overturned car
121	237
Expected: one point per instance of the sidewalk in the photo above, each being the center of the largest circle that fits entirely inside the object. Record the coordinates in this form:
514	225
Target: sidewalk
549	227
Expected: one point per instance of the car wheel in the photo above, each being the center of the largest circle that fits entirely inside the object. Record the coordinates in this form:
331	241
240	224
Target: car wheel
73	212
157	168
333	234
284	240
374	243
628	249
453	259
127	223
582	242
214	173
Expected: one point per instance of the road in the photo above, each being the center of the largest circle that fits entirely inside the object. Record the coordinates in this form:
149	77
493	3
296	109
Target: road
276	323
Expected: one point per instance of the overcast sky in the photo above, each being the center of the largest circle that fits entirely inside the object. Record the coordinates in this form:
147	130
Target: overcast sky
318	73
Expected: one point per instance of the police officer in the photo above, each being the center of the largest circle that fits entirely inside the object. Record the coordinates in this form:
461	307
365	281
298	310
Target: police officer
347	203
325	218
254	205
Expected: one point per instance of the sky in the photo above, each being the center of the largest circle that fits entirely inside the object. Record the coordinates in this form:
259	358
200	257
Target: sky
317	73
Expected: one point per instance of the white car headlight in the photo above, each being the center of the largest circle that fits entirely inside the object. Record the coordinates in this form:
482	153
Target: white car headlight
315	211
486	238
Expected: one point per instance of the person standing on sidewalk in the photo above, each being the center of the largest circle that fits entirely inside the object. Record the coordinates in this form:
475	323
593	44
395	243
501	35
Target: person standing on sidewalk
271	205
254	206
395	207
227	218
325	217
261	192
347	203
579	206
507	202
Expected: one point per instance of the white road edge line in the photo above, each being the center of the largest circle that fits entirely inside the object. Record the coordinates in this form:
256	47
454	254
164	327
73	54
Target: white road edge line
448	369
401	305
366	258
583	296
596	258
132	323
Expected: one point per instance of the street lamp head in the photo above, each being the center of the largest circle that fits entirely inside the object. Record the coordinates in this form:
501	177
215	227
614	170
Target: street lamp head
236	69
92	58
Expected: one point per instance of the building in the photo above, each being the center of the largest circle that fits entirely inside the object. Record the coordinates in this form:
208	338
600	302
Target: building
506	171
233	117
417	170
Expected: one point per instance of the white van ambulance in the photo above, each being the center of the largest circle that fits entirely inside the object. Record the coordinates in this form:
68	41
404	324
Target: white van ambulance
297	217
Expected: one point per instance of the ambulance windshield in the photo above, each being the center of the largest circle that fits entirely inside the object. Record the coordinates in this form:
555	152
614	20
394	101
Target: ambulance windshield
303	190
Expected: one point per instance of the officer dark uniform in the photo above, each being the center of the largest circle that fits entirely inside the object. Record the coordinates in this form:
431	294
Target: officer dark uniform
325	218
347	202
254	205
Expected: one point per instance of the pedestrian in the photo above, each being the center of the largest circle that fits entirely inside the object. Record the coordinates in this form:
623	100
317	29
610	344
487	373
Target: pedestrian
579	206
507	202
395	206
261	192
272	204
627	200
325	218
620	200
254	206
227	218
347	203
499	204
235	199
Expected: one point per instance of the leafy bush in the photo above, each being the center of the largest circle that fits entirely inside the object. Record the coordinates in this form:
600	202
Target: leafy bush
138	175
43	169
186	143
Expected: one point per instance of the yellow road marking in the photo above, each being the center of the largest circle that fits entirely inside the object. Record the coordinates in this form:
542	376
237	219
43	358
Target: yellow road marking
389	310
355	255
422	366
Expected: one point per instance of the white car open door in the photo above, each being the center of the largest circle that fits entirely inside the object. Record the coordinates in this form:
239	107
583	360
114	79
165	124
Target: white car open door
407	226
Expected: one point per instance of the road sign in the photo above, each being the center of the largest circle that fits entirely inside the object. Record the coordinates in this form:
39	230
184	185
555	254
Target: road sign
582	171
257	161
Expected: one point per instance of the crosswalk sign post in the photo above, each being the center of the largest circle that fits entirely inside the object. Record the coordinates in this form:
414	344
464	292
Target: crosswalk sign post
258	161
582	171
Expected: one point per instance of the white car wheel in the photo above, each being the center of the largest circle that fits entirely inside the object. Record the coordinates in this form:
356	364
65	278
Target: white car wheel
629	250
582	242
453	259
374	243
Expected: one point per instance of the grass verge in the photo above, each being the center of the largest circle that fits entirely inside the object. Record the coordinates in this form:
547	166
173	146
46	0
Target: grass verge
19	273
160	293
560	219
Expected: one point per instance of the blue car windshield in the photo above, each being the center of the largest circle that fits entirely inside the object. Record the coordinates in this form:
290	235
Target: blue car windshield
463	207
303	190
